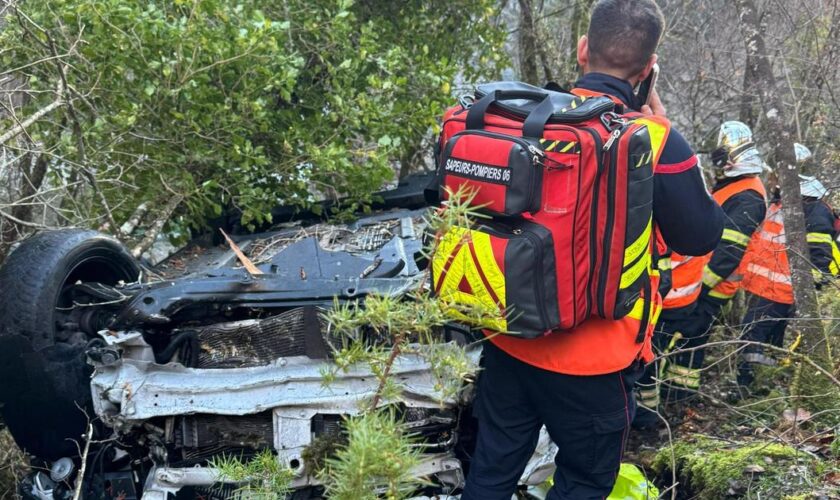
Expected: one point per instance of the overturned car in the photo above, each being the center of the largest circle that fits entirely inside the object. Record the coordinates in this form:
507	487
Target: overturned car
158	372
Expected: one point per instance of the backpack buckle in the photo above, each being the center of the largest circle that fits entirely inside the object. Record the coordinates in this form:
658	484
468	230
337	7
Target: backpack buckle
466	101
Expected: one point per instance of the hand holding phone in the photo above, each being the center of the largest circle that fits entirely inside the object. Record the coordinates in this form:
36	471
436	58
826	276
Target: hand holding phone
647	86
647	89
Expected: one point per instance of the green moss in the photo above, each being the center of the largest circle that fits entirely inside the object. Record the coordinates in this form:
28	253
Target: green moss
709	467
835	447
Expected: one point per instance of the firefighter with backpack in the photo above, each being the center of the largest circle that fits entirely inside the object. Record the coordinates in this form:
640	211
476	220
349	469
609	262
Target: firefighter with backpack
766	270
576	187
701	286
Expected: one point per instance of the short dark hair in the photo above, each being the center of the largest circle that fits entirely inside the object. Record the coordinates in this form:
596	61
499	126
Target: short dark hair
623	34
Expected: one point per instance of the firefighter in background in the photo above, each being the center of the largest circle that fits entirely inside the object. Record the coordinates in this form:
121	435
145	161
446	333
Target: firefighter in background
701	286
766	271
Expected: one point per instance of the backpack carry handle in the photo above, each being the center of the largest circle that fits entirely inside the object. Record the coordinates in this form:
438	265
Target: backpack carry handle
533	126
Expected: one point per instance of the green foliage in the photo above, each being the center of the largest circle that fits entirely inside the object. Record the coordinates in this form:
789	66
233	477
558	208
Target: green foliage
377	460
835	447
247	104
709	467
373	331
377	456
262	478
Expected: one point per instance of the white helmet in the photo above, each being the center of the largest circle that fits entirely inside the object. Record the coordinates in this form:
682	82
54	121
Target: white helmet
802	152
743	157
810	187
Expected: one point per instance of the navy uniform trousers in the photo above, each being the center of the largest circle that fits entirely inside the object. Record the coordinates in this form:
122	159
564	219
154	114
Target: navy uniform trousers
586	416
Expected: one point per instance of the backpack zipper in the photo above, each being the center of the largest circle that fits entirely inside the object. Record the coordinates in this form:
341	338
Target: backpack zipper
593	221
535	241
537	154
610	222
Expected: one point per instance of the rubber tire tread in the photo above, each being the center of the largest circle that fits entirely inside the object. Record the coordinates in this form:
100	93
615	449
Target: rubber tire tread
30	274
45	382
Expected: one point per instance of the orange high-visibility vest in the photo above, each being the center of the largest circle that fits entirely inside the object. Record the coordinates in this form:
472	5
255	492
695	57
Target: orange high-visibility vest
687	271
765	267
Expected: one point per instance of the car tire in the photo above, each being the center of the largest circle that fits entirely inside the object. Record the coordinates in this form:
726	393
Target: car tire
45	389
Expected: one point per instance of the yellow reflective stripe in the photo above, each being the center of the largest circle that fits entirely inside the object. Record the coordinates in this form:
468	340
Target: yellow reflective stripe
644	159
834	267
649	398
648	393
641	244
567	147
735	237
684	370
684	381
487	261
664	264
463	266
444	253
498	324
638	309
720	295
629	276
819	238
657	132
710	278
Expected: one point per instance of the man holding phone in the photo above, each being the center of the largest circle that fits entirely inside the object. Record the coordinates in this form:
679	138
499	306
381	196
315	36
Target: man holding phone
562	380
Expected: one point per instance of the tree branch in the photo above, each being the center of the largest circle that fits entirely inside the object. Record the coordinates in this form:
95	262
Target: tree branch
21	127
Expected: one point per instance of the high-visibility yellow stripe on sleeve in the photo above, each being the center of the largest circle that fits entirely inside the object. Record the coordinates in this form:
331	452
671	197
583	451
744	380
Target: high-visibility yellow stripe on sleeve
683	375
710	278
720	295
819	238
834	267
735	237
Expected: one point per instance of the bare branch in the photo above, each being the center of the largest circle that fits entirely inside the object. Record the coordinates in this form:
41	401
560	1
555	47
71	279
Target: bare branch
21	127
157	226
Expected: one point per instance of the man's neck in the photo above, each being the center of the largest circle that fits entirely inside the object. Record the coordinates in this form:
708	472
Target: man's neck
632	81
609	84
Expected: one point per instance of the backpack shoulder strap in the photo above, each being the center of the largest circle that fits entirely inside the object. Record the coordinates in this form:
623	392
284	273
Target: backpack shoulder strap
592	93
658	128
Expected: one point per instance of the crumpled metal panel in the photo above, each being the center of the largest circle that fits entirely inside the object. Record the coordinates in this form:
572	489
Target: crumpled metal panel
131	390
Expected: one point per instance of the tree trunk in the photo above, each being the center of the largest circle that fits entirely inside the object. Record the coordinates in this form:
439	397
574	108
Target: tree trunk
780	134
746	112
527	44
577	28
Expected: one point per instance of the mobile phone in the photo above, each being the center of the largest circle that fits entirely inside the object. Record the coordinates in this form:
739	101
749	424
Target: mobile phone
647	85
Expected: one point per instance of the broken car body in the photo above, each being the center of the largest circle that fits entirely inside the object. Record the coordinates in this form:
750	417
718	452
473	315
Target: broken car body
200	359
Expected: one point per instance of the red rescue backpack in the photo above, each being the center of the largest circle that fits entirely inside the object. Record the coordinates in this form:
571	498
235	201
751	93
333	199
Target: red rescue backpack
567	181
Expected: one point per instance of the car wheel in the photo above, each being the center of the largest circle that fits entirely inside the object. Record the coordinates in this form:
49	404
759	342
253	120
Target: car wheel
45	387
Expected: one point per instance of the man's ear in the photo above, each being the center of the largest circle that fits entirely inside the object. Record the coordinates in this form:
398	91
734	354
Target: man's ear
583	52
646	71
